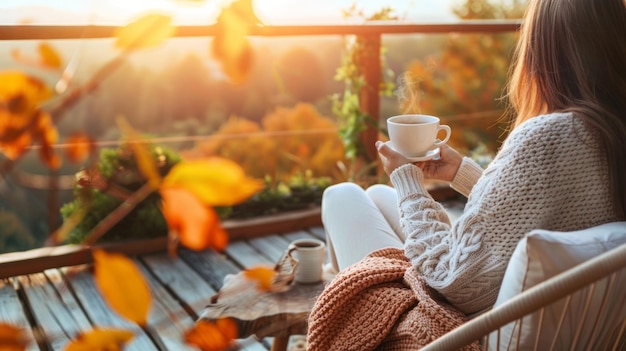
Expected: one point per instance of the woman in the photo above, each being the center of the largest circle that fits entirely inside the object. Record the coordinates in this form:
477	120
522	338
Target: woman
562	167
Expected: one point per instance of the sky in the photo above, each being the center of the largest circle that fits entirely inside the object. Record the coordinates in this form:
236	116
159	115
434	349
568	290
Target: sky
204	11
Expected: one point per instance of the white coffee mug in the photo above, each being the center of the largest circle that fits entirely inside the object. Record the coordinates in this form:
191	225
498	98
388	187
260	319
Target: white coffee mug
311	254
415	135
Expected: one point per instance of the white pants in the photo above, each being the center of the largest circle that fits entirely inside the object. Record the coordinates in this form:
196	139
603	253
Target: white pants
359	221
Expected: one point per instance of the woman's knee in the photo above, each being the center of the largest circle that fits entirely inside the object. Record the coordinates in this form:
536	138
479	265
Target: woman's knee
341	192
381	192
339	198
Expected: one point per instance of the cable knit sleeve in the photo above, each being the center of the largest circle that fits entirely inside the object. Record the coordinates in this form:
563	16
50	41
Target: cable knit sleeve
466	177
535	181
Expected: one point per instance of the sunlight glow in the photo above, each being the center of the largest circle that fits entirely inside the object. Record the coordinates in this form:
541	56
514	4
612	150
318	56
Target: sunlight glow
198	12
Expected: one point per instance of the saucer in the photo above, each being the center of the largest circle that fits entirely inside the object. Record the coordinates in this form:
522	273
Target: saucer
428	156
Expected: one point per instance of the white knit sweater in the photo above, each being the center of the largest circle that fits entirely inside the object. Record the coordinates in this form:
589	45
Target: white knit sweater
549	174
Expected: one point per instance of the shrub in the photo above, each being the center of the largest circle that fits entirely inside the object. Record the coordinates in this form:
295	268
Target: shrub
119	170
289	142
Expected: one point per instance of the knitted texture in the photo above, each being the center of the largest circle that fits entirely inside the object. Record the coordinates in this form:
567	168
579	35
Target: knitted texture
379	304
549	174
466	176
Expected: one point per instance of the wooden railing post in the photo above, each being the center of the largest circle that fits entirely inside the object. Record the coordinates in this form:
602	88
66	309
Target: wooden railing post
369	94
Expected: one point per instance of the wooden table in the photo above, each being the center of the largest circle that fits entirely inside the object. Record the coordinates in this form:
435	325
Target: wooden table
265	314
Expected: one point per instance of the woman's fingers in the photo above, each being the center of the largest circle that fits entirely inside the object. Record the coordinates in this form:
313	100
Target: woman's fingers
390	158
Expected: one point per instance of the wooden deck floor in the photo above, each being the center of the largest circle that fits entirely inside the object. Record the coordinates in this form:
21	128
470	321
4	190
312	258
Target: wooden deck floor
55	305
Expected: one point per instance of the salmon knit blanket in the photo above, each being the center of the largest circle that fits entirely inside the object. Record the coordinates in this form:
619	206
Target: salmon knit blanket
379	303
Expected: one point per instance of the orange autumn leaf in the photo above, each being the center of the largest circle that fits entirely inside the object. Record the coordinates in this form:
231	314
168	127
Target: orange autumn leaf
79	147
12	338
230	44
49	56
209	336
122	286
101	339
148	31
262	276
20	97
145	161
215	181
14	148
194	224
22	122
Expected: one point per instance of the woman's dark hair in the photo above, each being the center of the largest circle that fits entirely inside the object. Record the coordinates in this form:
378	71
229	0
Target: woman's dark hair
571	56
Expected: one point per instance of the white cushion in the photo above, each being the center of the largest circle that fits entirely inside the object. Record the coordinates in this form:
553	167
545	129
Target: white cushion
543	254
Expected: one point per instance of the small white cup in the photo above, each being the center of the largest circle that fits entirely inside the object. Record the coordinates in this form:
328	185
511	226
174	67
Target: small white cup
415	135
311	254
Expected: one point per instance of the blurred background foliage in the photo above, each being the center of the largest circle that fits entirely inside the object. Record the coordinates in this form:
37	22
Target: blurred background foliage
279	124
286	142
463	82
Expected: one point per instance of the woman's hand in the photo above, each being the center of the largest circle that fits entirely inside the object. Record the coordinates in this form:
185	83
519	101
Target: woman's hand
443	168
390	158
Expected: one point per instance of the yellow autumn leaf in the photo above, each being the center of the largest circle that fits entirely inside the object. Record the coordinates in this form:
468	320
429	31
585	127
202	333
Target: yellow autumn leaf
262	276
122	286
230	45
215	181
12	338
21	93
49	56
145	161
148	31
101	339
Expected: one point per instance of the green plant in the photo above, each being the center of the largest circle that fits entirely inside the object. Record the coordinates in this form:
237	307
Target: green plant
298	192
118	176
347	105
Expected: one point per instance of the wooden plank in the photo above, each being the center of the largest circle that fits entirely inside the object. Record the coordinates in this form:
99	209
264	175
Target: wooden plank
273	246
211	266
67	297
82	283
29	32
182	281
37	260
188	287
318	232
273	224
12	312
57	323
246	255
301	234
251	344
167	319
